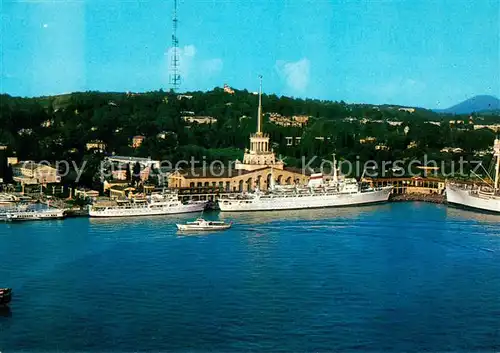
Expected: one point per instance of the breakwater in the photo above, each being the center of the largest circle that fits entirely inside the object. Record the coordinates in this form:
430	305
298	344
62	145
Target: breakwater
77	213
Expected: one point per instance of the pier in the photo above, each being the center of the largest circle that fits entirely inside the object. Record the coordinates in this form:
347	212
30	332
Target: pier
209	193
411	185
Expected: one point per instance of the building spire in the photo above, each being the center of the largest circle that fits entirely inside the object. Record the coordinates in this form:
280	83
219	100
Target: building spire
259	112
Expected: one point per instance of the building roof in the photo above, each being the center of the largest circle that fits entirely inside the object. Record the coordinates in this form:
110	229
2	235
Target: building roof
117	182
297	171
31	164
214	173
130	159
87	191
121	187
198	173
416	178
427	167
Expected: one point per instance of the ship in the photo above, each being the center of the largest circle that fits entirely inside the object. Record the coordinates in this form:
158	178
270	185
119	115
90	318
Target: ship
318	193
34	214
201	224
485	197
153	205
5	296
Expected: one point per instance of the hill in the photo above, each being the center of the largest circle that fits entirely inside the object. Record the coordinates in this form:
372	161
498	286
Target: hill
174	128
482	103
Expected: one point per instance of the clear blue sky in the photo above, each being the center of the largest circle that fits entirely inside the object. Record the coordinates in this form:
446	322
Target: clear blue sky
430	53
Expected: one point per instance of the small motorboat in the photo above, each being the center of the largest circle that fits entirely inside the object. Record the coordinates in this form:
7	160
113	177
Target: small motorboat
201	224
5	296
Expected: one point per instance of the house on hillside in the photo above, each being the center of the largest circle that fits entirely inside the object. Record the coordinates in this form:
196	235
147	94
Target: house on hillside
96	145
137	141
29	172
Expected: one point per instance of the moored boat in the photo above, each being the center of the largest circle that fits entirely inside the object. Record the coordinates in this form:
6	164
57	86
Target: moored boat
484	198
201	224
153	205
319	193
34	214
4	210
5	296
473	197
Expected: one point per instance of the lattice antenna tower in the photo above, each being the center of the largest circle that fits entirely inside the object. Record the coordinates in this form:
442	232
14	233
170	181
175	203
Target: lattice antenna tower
175	76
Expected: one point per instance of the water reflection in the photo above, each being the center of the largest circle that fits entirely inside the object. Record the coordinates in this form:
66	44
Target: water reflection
200	233
259	217
126	221
5	311
471	215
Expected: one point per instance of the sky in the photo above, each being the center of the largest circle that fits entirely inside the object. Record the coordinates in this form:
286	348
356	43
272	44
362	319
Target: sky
426	53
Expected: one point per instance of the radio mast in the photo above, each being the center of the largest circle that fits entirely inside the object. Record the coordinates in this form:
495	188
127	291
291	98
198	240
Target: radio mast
175	76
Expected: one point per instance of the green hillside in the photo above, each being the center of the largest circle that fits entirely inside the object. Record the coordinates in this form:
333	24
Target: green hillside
58	127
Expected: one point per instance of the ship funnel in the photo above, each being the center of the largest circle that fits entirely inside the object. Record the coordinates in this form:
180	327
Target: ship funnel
335	175
315	180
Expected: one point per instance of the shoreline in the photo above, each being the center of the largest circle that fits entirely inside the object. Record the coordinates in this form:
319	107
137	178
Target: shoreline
430	198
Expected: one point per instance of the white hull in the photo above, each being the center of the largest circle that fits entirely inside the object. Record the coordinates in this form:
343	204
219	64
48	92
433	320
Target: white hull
292	202
146	210
34	215
469	198
184	227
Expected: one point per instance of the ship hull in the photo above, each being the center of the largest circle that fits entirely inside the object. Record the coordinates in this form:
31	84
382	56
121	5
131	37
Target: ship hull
183	227
467	199
23	217
146	211
5	296
305	201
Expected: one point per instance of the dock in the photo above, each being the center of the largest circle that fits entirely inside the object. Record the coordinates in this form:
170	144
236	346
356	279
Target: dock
432	198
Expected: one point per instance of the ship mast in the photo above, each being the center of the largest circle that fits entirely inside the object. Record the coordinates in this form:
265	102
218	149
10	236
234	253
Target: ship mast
496	153
259	113
335	176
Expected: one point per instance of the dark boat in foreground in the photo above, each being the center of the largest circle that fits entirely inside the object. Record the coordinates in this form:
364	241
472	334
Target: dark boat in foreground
5	296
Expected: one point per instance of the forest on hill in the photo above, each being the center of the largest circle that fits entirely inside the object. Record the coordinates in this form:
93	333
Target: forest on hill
59	127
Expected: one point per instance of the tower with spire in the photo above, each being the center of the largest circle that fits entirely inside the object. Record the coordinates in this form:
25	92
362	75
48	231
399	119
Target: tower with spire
260	154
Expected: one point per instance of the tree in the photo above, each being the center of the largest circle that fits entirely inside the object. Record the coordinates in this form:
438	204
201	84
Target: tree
8	176
128	173
136	175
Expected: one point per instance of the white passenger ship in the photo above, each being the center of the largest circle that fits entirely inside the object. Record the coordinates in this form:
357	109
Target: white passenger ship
486	198
34	214
154	205
318	194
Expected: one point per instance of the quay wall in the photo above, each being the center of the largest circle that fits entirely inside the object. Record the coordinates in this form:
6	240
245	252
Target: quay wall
433	198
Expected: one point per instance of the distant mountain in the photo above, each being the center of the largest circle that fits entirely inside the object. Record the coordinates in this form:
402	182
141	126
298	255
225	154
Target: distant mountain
474	105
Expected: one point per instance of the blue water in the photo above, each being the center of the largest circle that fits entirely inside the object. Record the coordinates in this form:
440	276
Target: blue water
395	277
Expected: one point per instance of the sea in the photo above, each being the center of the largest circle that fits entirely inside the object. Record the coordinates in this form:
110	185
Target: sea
396	277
